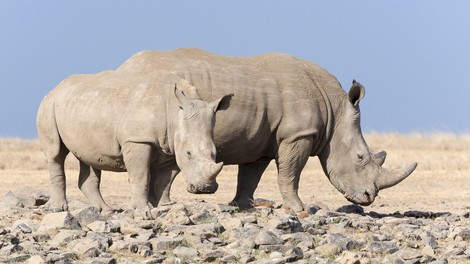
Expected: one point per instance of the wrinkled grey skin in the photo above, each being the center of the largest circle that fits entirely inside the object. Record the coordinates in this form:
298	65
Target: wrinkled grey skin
283	109
117	122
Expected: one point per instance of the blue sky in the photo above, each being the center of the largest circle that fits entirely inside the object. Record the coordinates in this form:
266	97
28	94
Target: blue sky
413	57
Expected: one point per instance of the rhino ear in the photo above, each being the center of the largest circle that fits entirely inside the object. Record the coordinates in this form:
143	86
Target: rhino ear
182	99
221	103
356	93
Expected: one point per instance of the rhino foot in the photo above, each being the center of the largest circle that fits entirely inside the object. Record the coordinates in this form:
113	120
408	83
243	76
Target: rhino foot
242	203
295	206
142	212
56	206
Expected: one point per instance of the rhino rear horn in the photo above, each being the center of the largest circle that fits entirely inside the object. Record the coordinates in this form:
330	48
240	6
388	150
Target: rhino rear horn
215	169
390	178
379	157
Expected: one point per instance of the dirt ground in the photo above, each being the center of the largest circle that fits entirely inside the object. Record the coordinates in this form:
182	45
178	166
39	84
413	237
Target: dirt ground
441	183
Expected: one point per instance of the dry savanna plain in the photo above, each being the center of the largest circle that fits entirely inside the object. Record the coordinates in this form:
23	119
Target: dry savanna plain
441	182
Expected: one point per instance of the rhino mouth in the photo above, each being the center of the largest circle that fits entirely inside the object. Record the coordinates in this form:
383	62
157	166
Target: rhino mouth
204	189
364	198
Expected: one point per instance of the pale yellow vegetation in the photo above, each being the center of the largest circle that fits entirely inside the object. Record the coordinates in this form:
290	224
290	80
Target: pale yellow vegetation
440	183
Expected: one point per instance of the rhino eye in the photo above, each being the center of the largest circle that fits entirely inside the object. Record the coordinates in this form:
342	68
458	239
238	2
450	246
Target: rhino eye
188	153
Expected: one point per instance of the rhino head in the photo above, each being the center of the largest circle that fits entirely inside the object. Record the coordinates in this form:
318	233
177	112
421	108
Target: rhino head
347	160
194	142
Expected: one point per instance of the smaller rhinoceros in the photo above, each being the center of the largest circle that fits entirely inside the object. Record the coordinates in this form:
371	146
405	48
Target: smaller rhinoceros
120	123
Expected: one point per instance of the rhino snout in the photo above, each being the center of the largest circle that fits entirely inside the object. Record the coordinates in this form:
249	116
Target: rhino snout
206	188
364	198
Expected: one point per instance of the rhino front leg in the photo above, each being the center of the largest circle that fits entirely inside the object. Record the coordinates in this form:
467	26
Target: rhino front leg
161	180
89	183
249	176
291	159
137	160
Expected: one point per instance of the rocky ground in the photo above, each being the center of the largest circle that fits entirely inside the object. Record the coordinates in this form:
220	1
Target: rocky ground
201	232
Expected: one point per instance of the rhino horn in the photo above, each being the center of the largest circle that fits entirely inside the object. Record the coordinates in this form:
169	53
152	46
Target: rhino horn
390	178
215	168
379	157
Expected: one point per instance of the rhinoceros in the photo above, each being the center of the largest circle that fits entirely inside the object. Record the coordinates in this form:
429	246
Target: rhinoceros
116	122
284	109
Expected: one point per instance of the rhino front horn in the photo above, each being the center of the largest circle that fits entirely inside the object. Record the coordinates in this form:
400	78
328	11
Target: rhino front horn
390	178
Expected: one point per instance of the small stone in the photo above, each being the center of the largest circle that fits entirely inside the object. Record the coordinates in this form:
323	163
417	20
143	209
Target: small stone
87	248
203	217
349	257
275	255
383	247
162	243
345	243
211	255
328	250
61	220
65	236
36	259
185	252
227	208
430	240
102	260
260	202
351	209
88	215
267	238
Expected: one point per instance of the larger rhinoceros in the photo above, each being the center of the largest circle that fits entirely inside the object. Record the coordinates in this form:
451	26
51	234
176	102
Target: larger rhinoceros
117	122
283	108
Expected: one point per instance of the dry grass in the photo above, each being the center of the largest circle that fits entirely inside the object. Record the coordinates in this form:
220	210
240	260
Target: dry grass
440	183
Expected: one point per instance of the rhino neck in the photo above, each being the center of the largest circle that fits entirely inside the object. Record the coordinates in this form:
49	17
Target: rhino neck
327	114
332	96
171	110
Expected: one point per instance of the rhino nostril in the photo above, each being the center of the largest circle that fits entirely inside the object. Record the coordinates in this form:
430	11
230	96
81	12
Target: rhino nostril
367	194
192	188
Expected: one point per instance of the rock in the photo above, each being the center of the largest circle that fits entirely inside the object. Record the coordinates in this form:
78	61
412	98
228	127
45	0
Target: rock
101	260
25	225
227	208
345	243
328	250
9	200
351	209
88	215
203	217
66	236
349	257
165	243
61	220
185	253
383	247
35	259
267	238
98	226
211	255
27	197
177	215
87	248
430	240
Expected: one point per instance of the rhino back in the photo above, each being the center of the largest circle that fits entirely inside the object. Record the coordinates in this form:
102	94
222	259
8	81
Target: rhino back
96	114
276	96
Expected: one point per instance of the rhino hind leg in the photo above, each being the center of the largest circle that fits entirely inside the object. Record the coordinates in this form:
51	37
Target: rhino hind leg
89	183
291	159
161	179
249	175
56	161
